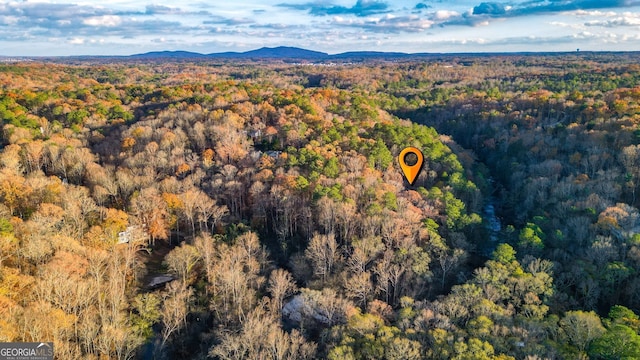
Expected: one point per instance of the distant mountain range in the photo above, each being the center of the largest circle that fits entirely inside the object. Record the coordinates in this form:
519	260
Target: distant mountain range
285	53
281	52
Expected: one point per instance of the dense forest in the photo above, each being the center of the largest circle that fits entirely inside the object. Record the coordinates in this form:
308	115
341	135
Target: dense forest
257	210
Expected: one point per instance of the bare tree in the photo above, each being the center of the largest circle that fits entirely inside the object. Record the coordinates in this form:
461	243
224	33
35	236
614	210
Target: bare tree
181	261
175	307
262	338
207	250
449	261
280	286
323	254
359	287
389	276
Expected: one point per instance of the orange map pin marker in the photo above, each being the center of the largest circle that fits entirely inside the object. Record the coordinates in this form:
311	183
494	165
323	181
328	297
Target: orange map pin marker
411	164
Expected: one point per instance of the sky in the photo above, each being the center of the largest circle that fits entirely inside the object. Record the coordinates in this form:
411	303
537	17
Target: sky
124	27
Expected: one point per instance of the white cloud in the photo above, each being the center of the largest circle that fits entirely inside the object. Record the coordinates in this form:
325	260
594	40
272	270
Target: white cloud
105	20
445	14
630	37
585	35
8	20
388	23
562	24
595	13
627	19
76	41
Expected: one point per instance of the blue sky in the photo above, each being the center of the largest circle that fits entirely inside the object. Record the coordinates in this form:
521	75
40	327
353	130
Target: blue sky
121	27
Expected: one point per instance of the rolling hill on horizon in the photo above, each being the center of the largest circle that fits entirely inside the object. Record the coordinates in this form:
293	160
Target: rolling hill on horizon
296	53
264	52
293	53
280	52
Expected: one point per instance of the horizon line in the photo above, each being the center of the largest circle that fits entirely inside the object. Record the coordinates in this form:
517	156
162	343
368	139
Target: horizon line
323	54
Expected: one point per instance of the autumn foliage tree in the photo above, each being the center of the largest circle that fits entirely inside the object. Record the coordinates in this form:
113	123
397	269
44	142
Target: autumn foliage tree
291	230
